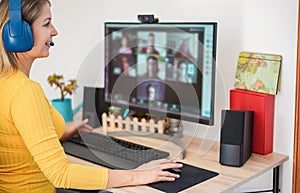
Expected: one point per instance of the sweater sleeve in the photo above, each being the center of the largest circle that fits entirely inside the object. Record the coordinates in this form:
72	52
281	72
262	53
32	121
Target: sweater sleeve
31	116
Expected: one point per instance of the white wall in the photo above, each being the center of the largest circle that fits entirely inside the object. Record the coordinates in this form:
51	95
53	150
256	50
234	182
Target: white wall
268	26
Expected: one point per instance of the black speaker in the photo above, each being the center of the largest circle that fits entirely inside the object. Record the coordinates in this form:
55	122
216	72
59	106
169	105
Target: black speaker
236	137
94	105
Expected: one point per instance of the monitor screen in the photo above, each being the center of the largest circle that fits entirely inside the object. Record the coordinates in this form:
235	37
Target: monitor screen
166	69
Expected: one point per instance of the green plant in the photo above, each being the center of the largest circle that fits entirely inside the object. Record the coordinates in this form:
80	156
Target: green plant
65	89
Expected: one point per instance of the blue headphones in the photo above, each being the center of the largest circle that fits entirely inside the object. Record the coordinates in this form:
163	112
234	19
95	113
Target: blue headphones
17	35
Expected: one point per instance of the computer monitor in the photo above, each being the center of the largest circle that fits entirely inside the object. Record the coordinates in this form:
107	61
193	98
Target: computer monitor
164	69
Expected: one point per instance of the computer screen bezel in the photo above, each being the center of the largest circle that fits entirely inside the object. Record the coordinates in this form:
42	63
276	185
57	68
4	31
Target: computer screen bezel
199	119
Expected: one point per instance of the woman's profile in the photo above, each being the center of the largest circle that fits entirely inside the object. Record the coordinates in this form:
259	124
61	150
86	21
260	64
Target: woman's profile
32	158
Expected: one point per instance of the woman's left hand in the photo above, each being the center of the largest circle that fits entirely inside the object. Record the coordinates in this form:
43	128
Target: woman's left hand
76	129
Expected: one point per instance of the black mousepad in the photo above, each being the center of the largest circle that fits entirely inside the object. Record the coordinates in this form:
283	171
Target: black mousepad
190	176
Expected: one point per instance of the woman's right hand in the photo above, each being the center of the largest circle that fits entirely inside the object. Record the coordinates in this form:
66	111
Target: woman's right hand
153	171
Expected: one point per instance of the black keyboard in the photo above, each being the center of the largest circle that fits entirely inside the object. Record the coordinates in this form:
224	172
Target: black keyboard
111	152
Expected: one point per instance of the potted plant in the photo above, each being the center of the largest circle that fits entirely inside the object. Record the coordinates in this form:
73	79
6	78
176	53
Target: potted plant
63	104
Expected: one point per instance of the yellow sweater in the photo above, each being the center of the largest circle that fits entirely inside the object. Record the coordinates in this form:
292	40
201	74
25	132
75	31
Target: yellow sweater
32	159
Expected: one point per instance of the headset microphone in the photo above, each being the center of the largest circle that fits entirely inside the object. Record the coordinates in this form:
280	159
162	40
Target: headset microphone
51	43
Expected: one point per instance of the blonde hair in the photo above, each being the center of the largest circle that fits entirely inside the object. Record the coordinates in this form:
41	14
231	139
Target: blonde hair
30	12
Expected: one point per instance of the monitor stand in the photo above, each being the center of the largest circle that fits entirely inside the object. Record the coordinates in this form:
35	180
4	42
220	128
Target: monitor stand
175	132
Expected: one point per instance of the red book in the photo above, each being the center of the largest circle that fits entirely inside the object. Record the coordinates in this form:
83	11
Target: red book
263	120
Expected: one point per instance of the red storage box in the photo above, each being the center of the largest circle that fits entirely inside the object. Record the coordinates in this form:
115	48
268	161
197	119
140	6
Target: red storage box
263	120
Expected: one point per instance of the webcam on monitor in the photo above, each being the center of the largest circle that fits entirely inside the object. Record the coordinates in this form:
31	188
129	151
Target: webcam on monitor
147	19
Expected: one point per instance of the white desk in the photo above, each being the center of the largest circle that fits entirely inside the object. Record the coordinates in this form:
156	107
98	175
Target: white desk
229	178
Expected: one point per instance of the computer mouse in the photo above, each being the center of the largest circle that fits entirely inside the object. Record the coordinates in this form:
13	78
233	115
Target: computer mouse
174	170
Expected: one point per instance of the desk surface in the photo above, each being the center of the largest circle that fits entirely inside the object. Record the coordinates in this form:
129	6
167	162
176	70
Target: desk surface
228	179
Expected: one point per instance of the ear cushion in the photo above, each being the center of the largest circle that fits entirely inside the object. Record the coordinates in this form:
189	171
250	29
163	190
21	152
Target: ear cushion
17	42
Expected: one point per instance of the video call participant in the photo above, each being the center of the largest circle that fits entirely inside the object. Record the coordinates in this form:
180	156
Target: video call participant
127	68
152	68
150	92
182	73
183	52
125	49
125	65
150	48
32	158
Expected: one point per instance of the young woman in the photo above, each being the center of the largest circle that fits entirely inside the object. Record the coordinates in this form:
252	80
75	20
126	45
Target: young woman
31	156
